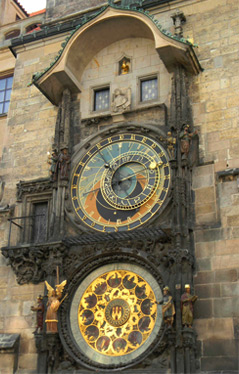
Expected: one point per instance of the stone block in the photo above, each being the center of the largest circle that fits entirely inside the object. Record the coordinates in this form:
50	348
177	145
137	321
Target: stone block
226	261
208	235
207	291
230	289
203	264
226	307
203	309
205	195
217	328
28	361
204	277
204	249
222	347
219	364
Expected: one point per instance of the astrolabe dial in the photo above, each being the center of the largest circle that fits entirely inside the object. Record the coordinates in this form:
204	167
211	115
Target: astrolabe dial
117	313
120	183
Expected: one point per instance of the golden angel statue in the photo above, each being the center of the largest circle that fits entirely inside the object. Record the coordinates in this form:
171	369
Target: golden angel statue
53	304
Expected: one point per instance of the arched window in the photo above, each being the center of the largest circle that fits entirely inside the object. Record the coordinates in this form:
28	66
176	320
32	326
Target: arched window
12	34
32	27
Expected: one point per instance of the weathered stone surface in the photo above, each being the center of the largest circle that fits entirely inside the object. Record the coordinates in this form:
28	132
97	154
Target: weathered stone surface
222	347
217	328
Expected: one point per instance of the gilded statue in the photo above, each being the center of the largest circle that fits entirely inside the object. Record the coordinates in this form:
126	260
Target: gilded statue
187	301
53	304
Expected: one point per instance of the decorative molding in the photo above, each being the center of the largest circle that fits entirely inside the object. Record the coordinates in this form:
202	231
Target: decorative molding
33	187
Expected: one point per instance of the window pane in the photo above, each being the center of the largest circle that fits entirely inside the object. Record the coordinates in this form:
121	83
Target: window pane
8	95
1	108
40	222
2	84
101	100
9	82
6	106
1	96
149	89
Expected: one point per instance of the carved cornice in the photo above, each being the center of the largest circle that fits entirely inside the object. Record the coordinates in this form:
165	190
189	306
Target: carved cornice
34	186
32	263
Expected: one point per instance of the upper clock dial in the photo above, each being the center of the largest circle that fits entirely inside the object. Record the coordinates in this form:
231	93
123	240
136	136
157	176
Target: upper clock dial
120	183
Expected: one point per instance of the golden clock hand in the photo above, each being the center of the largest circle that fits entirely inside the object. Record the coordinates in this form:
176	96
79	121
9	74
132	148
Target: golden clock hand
86	193
152	166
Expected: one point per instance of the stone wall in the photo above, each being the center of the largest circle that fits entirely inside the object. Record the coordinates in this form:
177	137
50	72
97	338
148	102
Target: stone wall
28	138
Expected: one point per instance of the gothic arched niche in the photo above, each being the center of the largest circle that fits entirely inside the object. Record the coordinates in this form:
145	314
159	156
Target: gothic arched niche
108	27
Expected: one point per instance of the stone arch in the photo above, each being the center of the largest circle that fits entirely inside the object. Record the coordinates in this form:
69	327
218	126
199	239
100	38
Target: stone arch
110	26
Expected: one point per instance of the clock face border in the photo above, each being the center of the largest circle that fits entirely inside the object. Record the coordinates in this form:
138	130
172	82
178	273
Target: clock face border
153	138
81	345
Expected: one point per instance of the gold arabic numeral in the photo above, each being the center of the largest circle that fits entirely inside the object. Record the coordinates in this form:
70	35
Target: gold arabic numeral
109	140
167	176
166	165
84	218
154	145
103	229
74	186
92	224
74	198
144	140
116	228
81	163
132	137
121	137
76	175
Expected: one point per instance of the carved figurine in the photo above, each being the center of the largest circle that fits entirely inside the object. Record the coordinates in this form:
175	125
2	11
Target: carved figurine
121	100
168	309
124	67
53	162
39	308
185	137
187	301
53	304
63	164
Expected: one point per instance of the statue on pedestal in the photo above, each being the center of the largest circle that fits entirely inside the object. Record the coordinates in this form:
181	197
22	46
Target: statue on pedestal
168	309
187	301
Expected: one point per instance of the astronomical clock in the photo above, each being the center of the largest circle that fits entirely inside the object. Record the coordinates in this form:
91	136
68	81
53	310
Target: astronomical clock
120	184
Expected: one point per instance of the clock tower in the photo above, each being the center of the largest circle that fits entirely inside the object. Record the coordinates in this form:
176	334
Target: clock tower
121	218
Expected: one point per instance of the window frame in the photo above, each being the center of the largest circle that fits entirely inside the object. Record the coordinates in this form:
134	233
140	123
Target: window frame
139	91
27	234
2	77
94	90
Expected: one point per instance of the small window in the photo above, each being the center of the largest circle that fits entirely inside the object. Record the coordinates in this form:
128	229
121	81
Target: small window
149	89
39	226
102	99
5	93
34	26
12	34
